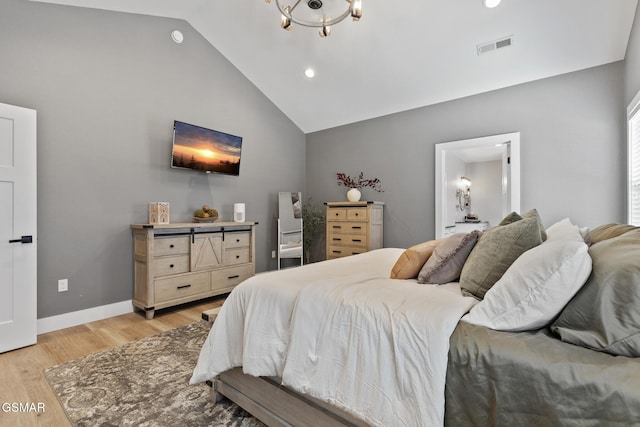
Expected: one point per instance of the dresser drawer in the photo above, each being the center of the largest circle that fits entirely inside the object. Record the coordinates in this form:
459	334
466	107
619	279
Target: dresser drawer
165	266
336	214
347	227
357	214
340	251
356	240
237	240
179	287
236	256
228	277
171	245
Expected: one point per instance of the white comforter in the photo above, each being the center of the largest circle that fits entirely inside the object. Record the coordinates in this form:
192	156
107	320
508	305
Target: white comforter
345	333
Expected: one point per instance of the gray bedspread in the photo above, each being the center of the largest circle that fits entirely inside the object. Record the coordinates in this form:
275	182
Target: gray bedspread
534	379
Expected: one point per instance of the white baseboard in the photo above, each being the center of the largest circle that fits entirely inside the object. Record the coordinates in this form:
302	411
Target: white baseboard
75	318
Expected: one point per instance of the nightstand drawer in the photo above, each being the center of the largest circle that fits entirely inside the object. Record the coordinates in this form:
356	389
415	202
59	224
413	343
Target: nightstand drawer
171	245
171	265
336	214
236	256
347	228
356	240
237	240
178	287
357	214
227	277
340	251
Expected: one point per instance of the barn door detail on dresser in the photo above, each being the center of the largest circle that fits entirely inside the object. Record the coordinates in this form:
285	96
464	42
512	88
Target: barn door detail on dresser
206	251
18	251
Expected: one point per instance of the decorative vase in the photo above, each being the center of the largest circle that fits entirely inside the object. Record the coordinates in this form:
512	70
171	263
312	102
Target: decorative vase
353	195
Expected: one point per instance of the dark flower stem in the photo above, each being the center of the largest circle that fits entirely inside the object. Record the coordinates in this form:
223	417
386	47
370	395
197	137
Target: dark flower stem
361	182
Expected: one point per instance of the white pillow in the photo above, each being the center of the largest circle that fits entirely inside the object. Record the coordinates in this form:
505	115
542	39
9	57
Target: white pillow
564	230
535	288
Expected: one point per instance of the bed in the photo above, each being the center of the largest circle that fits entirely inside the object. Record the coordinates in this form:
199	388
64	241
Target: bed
341	343
343	333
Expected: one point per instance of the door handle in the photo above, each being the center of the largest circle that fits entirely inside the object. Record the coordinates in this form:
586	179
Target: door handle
23	239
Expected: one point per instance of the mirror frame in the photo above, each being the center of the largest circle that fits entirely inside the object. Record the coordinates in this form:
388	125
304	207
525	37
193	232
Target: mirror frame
487	141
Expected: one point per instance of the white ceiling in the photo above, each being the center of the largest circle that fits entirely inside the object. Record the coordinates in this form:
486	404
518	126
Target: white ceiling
400	55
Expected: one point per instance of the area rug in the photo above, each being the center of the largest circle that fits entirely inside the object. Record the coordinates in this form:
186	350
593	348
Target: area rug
143	383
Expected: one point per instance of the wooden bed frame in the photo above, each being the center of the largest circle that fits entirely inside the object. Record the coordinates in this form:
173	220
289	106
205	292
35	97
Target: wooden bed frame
277	406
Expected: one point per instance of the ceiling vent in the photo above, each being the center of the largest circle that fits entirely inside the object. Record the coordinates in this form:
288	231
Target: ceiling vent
495	45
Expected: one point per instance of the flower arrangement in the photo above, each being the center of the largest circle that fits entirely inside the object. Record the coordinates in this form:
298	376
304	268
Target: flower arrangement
361	182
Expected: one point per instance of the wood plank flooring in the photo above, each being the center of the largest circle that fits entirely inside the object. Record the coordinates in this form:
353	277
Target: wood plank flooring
21	371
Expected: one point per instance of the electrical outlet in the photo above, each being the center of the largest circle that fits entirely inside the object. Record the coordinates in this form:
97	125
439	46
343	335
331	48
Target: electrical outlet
273	254
63	285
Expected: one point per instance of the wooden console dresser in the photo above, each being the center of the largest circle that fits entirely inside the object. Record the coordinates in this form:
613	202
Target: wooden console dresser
183	262
353	227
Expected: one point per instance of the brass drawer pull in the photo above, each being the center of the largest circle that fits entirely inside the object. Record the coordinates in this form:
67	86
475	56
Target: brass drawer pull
184	286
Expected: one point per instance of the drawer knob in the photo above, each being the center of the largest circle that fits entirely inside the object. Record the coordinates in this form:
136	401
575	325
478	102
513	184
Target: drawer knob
237	240
171	245
170	265
237	256
337	214
356	213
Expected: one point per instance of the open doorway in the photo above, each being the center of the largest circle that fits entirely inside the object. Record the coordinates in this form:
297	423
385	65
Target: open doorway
494	162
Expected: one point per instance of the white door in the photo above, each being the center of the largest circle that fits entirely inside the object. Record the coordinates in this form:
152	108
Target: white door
18	248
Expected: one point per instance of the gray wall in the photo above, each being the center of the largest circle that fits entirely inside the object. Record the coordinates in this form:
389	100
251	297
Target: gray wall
632	61
107	87
572	147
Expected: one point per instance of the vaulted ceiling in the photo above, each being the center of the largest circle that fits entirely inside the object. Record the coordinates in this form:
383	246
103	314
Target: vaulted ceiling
402	54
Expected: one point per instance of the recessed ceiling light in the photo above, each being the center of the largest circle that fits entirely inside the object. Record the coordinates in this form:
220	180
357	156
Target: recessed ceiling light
491	3
310	73
177	36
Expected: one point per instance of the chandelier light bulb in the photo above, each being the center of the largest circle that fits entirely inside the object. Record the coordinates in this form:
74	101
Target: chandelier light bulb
310	73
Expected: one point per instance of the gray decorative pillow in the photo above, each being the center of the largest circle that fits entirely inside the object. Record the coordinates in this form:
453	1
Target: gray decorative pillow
494	253
533	213
511	218
447	259
605	314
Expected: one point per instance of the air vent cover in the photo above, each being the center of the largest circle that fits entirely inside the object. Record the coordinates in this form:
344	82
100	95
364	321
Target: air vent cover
495	45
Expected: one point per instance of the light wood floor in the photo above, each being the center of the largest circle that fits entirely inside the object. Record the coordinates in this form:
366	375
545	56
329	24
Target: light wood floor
21	371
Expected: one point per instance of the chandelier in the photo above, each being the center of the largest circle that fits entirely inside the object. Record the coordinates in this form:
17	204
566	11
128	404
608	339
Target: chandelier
318	13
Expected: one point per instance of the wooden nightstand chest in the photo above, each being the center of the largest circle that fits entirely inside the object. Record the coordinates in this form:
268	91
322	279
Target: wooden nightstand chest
178	263
353	227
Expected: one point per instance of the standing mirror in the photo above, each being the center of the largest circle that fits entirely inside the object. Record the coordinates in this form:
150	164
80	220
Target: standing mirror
289	227
477	182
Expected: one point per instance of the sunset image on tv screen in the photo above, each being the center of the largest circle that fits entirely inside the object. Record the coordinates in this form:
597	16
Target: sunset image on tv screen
207	150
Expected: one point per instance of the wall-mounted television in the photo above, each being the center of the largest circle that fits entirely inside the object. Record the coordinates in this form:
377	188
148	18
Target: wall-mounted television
205	150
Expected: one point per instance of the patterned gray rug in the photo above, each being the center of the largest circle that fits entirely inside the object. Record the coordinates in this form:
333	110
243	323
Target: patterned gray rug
143	383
